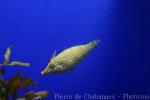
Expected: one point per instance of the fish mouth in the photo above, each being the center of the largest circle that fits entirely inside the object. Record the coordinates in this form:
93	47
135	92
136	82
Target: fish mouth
43	73
47	72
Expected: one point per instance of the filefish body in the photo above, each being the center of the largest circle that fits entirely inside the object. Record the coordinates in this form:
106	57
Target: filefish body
68	58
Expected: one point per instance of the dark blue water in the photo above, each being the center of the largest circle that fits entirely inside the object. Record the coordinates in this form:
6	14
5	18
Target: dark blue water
120	64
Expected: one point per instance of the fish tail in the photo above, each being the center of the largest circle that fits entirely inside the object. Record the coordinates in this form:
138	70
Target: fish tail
95	42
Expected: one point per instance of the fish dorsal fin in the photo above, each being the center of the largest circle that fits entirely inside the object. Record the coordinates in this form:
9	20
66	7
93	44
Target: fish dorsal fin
54	55
51	59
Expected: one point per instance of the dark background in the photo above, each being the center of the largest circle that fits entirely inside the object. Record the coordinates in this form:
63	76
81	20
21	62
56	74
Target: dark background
120	64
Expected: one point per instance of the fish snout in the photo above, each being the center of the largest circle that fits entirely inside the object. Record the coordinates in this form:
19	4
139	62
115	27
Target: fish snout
44	72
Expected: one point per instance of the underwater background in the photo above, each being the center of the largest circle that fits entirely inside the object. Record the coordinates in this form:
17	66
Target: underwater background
119	64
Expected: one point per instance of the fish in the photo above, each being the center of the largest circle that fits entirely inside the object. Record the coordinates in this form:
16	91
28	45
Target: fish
69	58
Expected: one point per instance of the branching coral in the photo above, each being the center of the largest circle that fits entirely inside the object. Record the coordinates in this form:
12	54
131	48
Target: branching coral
9	88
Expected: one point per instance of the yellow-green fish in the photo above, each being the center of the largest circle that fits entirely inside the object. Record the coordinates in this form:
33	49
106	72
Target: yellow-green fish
68	58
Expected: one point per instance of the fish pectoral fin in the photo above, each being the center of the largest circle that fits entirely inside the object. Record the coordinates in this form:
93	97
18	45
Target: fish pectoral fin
68	68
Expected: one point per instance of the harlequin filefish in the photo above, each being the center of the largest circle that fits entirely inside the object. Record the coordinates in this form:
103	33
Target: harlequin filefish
68	58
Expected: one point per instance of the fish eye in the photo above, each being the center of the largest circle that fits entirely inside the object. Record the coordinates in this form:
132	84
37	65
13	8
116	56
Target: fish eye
52	66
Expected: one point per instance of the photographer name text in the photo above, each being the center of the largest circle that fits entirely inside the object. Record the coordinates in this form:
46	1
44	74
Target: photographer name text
89	96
